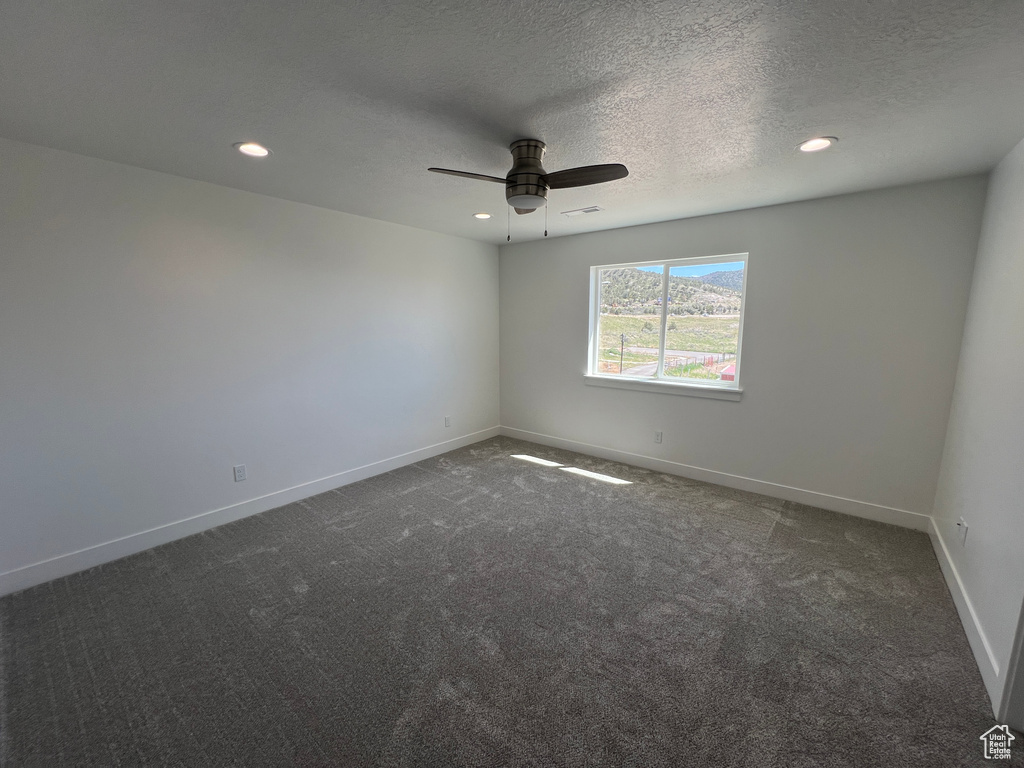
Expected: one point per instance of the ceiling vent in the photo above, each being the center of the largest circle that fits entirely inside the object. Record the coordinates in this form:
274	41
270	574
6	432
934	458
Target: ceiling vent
581	211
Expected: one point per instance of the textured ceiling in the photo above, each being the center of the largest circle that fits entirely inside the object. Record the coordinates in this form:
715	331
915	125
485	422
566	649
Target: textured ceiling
703	101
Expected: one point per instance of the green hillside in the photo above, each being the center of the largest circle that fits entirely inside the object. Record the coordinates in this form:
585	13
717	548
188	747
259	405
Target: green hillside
632	291
732	279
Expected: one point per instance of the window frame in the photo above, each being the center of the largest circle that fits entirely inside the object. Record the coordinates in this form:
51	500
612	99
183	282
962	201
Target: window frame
723	390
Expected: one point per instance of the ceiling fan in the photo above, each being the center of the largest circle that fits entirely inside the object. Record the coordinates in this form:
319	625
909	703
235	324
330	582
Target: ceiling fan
527	184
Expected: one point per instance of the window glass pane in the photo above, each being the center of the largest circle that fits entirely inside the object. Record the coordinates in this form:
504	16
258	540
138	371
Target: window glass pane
629	320
703	324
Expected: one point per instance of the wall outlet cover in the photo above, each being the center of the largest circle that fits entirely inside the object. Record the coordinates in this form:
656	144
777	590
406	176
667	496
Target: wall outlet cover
961	527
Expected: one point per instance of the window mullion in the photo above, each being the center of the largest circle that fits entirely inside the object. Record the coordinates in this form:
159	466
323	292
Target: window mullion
595	319
664	321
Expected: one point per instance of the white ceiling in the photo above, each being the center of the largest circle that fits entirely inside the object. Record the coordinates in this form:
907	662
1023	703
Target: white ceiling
703	101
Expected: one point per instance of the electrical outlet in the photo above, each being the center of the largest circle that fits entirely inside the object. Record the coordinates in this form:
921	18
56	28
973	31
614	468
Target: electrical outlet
447	421
657	437
962	528
240	473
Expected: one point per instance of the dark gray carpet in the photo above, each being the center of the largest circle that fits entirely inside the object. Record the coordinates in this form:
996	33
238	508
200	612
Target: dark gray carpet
477	610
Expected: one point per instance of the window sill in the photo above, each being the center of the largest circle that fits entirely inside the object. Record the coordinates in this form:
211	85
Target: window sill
662	387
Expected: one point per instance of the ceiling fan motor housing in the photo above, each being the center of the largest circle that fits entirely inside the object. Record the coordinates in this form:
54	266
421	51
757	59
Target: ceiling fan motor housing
525	187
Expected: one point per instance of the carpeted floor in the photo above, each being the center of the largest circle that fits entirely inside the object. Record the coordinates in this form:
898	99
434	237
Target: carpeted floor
479	610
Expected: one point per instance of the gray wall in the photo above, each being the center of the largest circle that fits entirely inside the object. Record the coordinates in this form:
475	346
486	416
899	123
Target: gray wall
982	479
155	331
854	314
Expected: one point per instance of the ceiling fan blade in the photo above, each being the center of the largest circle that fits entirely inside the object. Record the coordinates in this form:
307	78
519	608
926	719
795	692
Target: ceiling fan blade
522	211
467	175
586	175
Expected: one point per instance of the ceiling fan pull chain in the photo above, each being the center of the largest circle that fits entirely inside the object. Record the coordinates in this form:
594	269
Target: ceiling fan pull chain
508	223
545	220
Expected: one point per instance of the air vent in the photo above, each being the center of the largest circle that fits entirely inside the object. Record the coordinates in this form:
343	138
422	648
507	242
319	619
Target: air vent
581	211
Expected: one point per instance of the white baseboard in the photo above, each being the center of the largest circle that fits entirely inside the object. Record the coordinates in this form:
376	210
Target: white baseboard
983	654
89	557
864	509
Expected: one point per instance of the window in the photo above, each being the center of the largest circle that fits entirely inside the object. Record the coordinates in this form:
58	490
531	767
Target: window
660	324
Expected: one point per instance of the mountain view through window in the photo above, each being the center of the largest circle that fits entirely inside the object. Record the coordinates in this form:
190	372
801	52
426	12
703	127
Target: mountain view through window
675	321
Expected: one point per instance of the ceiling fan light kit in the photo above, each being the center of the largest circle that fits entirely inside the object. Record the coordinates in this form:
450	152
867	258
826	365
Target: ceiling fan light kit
527	184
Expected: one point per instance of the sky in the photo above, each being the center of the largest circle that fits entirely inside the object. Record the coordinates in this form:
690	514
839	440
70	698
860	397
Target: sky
699	269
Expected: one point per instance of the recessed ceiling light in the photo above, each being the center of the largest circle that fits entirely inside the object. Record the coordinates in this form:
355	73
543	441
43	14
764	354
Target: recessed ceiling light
481	215
818	144
252	149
